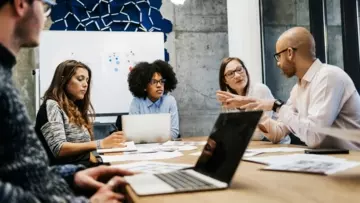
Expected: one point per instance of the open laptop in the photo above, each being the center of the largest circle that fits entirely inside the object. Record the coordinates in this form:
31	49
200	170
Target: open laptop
216	165
118	122
147	128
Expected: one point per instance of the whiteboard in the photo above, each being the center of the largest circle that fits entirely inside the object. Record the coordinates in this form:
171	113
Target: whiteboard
109	56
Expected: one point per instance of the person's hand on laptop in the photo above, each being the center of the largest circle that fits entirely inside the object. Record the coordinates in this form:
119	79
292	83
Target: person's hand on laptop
93	179
116	139
229	100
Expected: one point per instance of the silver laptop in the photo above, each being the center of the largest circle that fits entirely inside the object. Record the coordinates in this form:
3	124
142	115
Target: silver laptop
147	128
216	165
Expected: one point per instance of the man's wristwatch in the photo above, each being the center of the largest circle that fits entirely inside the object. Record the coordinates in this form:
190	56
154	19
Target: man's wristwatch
277	104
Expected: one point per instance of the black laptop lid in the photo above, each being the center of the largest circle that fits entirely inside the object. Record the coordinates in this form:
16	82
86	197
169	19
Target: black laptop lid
226	144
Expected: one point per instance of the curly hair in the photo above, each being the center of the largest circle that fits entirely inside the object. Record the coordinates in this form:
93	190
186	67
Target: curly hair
78	111
140	76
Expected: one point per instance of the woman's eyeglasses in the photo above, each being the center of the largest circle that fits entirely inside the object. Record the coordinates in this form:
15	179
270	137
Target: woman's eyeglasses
231	74
155	82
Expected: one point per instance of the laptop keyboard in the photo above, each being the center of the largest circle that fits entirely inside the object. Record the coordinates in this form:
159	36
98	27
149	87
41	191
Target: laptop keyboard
181	181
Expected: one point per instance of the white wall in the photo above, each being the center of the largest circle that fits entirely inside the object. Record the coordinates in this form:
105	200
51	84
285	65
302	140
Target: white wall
244	35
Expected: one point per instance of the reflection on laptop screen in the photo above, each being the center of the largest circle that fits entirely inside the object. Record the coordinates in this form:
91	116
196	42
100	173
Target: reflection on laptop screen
227	143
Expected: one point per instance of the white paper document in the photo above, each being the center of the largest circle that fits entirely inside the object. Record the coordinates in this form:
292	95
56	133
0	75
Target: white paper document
130	156
164	147
305	163
152	167
180	148
246	154
276	149
183	143
345	134
147	148
250	154
326	167
195	154
129	146
269	160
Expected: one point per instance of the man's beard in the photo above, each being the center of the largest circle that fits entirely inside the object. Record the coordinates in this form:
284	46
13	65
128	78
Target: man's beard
290	72
24	30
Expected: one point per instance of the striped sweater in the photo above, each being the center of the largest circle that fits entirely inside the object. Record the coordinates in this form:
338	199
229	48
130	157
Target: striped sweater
25	175
54	129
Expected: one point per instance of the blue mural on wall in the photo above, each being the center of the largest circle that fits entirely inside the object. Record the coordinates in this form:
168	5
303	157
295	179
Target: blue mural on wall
110	15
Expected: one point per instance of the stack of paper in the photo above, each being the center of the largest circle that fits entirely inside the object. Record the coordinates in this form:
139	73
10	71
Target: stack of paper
152	167
268	160
306	163
276	149
182	143
129	146
246	154
169	146
147	148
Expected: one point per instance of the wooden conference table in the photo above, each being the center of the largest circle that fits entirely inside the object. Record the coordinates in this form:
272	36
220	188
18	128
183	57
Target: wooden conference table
250	184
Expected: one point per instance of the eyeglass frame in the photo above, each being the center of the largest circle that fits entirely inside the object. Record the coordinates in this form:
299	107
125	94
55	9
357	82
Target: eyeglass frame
47	11
227	75
48	3
155	82
277	55
47	7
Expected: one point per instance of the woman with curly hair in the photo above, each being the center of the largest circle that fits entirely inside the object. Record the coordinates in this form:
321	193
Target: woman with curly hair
63	123
150	84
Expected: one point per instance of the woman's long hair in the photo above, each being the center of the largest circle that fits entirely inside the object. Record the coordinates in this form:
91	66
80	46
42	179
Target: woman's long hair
77	111
222	83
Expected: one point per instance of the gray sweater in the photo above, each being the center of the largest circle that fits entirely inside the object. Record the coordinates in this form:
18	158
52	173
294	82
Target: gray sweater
54	129
25	175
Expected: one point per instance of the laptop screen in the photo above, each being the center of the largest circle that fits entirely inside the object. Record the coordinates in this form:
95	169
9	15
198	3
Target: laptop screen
226	144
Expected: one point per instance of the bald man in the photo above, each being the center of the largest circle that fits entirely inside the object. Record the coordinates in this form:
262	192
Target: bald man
324	95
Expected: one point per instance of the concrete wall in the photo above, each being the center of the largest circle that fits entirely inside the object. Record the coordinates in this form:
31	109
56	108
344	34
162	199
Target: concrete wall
196	46
24	80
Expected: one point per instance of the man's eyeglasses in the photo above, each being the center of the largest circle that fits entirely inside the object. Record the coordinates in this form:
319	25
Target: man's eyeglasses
231	74
47	6
277	55
155	82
